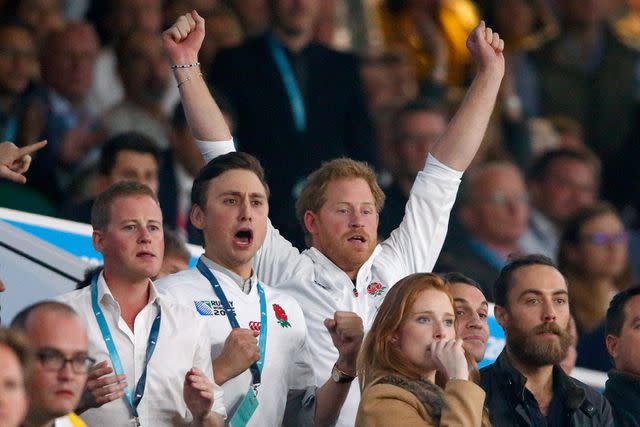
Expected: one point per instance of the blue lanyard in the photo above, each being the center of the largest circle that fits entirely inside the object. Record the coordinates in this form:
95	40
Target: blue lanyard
256	368
290	84
113	352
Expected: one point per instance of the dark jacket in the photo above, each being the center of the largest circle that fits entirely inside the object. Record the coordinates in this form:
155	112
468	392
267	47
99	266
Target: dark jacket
505	388
623	392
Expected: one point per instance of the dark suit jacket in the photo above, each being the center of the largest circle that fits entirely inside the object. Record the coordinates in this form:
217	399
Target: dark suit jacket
337	119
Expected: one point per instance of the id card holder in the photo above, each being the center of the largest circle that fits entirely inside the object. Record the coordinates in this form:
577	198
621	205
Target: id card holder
245	410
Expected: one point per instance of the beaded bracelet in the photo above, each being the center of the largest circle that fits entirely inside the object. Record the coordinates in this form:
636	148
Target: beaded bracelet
174	66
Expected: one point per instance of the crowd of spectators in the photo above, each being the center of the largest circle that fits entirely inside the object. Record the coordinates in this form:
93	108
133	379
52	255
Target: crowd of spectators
555	173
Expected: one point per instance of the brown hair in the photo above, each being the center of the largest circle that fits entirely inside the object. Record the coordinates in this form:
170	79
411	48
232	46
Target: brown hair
378	356
588	304
15	341
101	209
313	195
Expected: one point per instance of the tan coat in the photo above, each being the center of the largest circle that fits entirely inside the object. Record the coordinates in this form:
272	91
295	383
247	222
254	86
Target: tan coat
386	405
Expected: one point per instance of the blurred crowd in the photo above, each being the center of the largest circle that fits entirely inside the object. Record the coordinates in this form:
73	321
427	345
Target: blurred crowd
556	173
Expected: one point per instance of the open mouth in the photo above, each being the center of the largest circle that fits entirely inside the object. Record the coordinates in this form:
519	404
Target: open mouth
357	238
244	237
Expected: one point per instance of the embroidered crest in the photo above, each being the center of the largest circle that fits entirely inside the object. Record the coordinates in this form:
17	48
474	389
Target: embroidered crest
375	289
254	326
281	316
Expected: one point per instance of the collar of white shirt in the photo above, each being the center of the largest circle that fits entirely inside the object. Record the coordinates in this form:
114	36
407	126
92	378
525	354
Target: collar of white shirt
245	285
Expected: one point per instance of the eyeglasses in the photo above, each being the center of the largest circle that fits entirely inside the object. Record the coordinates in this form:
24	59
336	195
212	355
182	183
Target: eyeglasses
501	198
53	360
602	239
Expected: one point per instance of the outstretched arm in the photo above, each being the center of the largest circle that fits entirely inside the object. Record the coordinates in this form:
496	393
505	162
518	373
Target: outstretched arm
182	43
460	142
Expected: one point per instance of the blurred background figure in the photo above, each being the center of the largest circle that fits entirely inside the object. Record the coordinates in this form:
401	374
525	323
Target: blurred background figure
560	183
593	257
176	255
491	219
435	33
15	358
416	127
411	363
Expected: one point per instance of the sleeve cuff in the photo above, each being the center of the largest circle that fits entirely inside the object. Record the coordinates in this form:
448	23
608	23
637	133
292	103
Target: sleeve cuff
437	168
212	149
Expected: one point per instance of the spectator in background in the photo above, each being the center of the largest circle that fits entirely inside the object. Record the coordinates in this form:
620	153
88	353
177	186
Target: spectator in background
42	16
472	310
417	126
124	157
18	66
255	15
493	211
593	258
15	359
144	72
60	346
176	255
434	32
623	340
412	369
67	64
121	18
560	182
526	386
589	75
294	97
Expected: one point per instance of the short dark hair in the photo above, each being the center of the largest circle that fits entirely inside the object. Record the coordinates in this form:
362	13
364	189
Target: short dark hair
539	168
19	322
220	165
127	141
457	277
504	282
615	312
101	209
88	276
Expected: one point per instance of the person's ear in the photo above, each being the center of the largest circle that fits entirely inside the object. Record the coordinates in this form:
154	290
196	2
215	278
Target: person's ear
611	341
97	238
311	222
197	217
501	315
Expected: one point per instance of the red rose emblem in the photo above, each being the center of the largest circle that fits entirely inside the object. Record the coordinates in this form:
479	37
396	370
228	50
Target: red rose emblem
281	316
375	289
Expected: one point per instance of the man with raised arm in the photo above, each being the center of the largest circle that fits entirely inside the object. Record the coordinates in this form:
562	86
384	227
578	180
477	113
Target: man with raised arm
258	334
345	268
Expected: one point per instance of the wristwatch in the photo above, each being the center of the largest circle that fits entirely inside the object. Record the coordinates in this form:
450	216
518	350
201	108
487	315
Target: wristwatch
339	376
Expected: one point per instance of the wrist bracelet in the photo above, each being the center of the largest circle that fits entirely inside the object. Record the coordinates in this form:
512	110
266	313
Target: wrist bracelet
186	80
195	64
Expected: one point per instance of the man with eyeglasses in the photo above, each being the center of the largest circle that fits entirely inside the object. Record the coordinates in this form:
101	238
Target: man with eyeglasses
493	210
60	344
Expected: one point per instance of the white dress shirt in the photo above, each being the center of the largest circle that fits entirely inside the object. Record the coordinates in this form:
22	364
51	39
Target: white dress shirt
182	344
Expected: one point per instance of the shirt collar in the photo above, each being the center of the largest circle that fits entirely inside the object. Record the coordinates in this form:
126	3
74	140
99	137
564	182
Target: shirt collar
244	285
105	296
574	395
